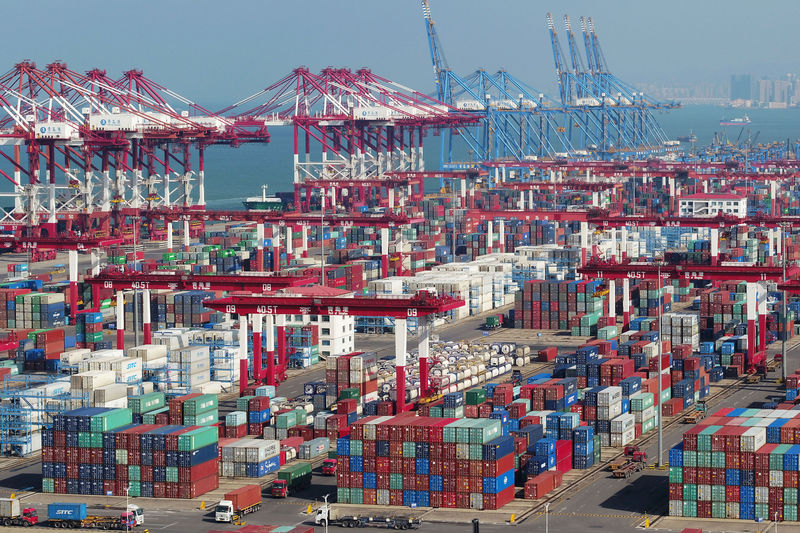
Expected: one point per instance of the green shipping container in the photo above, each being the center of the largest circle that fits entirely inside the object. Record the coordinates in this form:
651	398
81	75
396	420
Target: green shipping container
172	474
198	438
286	420
396	481
146	402
203	419
200	404
342	495
134	473
242	403
350	394
111	419
356	447
676	474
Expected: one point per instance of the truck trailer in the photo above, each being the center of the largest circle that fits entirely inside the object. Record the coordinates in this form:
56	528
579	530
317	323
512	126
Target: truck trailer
238	502
327	515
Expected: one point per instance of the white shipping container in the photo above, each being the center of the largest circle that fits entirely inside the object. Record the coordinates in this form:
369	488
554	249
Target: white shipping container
753	439
608	396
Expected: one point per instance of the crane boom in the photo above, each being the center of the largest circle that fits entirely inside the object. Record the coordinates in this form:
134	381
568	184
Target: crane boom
437	56
558	58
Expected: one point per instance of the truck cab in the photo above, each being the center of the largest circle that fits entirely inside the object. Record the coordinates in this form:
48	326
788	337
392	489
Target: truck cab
329	467
323	516
138	513
224	511
29	516
128	520
280	488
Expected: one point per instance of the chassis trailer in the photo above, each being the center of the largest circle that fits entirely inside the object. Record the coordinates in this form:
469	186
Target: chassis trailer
328	516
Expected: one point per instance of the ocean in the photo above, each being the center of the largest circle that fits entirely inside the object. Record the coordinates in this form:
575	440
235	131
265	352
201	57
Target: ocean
232	174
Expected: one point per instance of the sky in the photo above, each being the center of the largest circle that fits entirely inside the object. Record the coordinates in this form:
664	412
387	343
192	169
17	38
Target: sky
217	52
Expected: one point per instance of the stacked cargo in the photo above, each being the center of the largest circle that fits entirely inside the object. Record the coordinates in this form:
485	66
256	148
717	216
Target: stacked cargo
36	310
357	370
145	404
8	307
249	457
426	462
302	345
258	414
737	464
194	410
236	423
95	451
647	298
89	328
574	305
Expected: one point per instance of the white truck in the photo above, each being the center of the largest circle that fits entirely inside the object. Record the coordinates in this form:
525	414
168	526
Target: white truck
138	513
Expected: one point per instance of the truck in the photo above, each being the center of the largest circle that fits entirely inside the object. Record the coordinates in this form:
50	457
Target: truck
326	515
74	515
291	479
13	514
633	460
697	414
492	322
236	503
329	467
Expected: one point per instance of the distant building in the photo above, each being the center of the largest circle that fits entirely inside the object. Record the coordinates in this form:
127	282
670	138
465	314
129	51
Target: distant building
711	205
781	91
764	90
741	87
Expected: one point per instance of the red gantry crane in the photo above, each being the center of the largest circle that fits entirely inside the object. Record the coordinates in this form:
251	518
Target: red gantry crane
422	304
756	296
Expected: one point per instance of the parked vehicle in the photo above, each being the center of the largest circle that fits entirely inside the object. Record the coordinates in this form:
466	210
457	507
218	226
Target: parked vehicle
74	515
13	514
238	502
329	467
291	479
326	515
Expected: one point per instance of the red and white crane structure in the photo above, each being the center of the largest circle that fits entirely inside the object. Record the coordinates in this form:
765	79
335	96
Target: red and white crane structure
420	305
114	136
348	126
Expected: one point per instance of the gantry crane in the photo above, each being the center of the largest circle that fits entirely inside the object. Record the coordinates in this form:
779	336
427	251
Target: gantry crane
420	305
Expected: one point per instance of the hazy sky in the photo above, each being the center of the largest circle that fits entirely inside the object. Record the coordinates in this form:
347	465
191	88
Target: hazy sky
219	51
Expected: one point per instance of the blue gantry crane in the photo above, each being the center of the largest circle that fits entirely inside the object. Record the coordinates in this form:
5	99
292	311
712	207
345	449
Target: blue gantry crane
596	114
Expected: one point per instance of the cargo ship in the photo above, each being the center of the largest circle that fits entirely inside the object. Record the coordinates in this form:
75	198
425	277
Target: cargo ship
738	121
263	202
691	138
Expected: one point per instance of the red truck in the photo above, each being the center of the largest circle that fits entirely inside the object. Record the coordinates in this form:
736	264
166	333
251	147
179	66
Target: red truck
329	467
238	502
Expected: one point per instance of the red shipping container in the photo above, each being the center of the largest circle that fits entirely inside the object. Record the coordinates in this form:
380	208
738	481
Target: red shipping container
197	488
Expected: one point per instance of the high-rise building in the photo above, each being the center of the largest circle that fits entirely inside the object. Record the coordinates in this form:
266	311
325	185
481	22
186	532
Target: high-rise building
782	90
741	87
765	90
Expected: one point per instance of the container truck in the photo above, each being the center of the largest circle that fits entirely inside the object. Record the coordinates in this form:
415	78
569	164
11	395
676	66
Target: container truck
74	515
329	467
238	502
326	515
291	479
13	514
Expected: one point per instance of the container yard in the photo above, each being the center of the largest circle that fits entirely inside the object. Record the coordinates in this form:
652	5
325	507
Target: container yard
584	325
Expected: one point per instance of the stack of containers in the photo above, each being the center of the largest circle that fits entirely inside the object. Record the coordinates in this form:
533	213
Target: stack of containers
738	464
89	329
647	298
201	410
583	447
358	370
8	307
423	461
36	310
560	305
249	457
236	424
681	328
145	404
258	414
95	451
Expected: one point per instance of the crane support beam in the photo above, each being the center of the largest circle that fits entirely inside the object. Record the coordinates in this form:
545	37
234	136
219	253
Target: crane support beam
56	243
684	271
421	304
190	282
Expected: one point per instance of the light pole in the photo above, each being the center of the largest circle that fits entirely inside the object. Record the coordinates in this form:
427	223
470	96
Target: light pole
775	515
322	236
785	304
547	517
136	313
127	490
660	355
